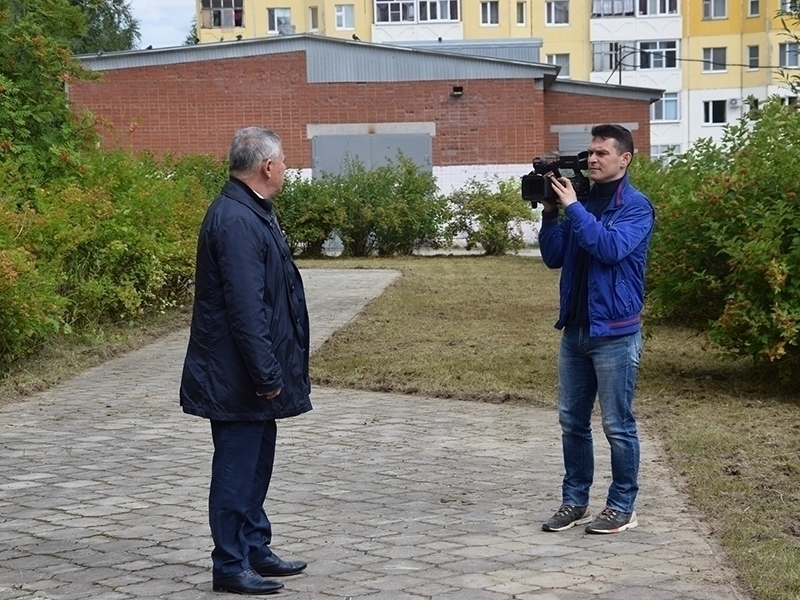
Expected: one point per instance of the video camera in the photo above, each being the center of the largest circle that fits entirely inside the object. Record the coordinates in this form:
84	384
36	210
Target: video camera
537	187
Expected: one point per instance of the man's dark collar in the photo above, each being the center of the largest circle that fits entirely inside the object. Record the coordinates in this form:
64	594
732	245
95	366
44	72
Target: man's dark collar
265	202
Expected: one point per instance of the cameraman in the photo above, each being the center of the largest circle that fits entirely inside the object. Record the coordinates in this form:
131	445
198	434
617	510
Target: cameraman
601	247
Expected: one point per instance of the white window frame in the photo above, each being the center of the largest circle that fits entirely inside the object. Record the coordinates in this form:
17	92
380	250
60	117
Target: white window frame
658	8
715	9
608	53
613	8
554	9
490	13
344	17
443	11
395	11
666	109
522	14
788	55
221	14
274	15
789	6
313	18
753	8
711	60
658	152
753	60
709	109
664	53
562	60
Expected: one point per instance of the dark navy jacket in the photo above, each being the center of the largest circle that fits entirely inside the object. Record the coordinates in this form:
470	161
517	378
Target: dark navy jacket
250	323
617	245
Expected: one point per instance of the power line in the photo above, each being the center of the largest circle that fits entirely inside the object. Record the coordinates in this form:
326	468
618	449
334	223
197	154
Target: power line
632	51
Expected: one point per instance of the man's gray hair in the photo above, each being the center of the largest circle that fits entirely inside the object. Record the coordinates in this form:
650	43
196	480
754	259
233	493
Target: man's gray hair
250	147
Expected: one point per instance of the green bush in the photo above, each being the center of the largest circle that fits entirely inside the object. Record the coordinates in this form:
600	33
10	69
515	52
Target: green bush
393	209
30	309
490	215
110	243
308	213
726	250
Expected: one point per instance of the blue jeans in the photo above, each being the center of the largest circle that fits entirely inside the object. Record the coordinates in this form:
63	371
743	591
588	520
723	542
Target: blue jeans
244	453
606	368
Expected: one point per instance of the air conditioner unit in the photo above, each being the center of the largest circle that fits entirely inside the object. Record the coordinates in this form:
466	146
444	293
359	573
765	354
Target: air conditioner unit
735	102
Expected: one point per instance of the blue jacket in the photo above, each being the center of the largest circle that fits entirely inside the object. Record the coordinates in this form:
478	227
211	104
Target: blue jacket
617	245
249	329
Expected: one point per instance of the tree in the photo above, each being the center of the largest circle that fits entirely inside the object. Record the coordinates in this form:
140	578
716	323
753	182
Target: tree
38	133
191	37
110	27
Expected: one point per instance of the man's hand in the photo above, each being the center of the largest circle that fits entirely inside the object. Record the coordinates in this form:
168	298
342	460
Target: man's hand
563	189
549	206
271	394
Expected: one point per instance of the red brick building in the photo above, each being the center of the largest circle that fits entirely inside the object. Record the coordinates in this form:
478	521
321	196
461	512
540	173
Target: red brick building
475	110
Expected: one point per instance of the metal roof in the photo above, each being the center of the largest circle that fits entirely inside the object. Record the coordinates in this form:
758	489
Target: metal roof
522	49
333	60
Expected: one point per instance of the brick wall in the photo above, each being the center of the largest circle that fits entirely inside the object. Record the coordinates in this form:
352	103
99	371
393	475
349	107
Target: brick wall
562	108
196	107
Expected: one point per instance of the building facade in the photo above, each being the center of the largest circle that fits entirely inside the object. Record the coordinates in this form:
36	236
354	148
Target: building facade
467	116
709	56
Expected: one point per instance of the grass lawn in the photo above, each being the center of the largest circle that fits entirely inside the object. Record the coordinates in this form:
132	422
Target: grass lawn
481	329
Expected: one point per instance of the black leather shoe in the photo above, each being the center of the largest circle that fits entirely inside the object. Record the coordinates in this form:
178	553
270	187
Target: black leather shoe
247	582
276	566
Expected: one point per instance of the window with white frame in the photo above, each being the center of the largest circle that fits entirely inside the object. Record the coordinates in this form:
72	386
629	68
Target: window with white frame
490	12
345	16
664	152
789	101
522	10
395	11
787	54
611	56
612	8
221	13
438	10
715	9
658	7
752	57
715	59
279	20
753	8
665	109
313	18
658	55
562	60
557	12
715	112
790	5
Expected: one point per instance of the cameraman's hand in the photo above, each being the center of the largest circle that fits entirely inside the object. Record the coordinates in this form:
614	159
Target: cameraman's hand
549	206
563	189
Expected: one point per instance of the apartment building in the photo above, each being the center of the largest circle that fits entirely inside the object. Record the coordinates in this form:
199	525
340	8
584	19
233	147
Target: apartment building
709	56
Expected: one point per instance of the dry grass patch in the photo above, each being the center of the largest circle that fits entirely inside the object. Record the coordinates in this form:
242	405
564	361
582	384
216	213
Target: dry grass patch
482	328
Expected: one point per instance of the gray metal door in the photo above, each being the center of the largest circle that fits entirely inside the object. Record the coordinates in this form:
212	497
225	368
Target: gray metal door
330	153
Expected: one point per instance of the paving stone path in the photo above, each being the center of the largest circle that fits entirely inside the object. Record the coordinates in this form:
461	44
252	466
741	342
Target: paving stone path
104	489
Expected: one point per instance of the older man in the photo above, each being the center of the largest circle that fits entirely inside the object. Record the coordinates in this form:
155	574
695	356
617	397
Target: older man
247	360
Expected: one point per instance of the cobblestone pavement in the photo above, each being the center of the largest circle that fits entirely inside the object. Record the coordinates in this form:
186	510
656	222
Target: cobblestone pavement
104	487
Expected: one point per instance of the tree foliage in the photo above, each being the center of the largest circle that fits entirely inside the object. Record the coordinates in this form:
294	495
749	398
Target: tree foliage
110	27
726	251
490	214
38	133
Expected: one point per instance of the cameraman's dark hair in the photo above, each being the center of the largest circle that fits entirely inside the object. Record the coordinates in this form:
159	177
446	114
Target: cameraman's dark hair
622	137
